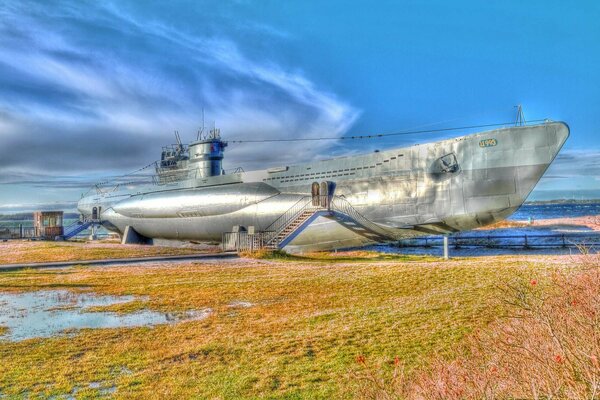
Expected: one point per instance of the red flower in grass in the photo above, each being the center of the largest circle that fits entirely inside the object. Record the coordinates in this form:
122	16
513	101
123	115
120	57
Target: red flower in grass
361	359
396	361
558	358
533	282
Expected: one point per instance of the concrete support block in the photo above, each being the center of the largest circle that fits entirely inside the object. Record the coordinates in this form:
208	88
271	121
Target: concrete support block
130	236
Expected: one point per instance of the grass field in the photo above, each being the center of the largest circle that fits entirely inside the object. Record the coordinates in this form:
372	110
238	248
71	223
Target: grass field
12	252
310	319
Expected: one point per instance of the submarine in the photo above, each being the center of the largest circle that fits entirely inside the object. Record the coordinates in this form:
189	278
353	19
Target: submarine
440	187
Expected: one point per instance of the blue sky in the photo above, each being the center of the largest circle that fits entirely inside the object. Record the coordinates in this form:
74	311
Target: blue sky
93	89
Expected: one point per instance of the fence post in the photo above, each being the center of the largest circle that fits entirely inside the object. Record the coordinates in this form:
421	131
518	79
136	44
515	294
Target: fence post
446	247
20	231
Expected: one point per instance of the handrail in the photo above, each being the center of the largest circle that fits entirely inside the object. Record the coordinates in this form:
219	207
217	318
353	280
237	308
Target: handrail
282	217
303	204
236	170
72	224
75	231
321	203
344	206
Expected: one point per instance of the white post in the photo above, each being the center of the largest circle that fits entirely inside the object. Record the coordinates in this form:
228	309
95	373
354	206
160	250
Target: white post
93	235
446	247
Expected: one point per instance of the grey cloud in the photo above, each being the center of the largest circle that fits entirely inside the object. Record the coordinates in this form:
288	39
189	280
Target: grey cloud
9	177
576	163
50	148
28	207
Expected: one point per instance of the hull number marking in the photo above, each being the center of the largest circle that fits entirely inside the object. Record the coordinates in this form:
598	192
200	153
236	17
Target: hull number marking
488	143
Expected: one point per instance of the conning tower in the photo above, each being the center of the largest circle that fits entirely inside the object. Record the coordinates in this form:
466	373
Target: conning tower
206	155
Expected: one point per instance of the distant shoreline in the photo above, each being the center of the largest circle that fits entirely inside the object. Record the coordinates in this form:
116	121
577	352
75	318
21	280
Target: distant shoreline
561	201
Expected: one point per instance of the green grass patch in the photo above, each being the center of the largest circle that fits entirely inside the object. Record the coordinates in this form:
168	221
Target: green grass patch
341	256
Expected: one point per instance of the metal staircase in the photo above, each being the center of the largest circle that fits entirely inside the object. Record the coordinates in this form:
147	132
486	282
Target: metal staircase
291	223
75	228
290	228
294	220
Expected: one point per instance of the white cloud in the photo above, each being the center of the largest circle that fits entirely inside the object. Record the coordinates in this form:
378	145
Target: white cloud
106	106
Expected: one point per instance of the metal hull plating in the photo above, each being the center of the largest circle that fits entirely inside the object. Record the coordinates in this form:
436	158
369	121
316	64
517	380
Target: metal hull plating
442	187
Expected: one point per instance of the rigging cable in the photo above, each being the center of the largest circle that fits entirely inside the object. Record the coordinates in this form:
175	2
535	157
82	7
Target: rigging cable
114	178
380	135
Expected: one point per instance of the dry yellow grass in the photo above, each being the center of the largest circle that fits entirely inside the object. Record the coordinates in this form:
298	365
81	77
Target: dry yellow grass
309	321
545	346
12	252
505	224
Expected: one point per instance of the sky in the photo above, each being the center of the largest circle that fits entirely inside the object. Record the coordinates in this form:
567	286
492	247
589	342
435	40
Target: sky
92	90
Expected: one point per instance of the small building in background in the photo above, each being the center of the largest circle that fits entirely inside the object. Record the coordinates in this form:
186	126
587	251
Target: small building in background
48	224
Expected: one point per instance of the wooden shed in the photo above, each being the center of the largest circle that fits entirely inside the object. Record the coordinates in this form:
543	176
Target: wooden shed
48	224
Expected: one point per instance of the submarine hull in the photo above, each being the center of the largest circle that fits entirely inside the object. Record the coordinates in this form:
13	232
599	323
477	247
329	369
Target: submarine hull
436	188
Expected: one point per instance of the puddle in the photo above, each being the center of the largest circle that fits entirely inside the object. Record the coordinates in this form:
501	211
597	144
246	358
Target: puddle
240	304
49	313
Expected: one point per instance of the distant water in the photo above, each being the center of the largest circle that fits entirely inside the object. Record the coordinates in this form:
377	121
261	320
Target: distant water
550	211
